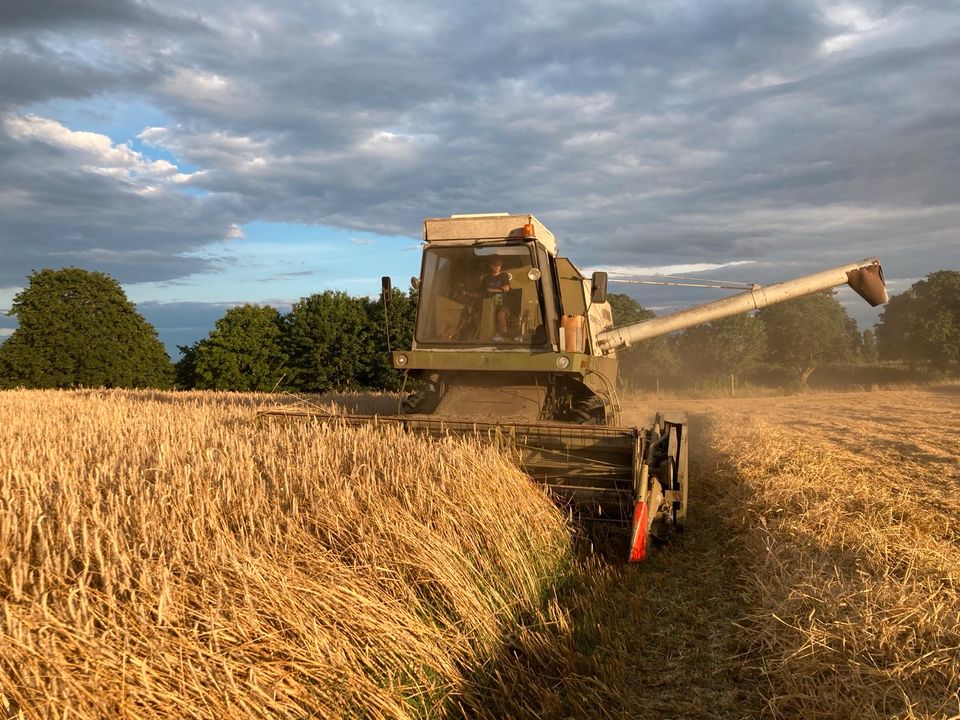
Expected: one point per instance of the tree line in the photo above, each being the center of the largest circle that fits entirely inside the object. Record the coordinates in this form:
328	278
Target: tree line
77	328
329	340
796	337
919	328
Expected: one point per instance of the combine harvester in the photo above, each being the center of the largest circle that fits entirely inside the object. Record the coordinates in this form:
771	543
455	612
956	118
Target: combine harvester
513	343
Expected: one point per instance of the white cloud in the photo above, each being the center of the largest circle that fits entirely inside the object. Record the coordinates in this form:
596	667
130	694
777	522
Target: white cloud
95	152
220	149
763	79
680	269
199	86
856	25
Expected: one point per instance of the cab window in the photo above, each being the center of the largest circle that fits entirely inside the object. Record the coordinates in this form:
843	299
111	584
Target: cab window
480	296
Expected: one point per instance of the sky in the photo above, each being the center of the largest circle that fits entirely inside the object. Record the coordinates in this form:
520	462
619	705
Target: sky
211	154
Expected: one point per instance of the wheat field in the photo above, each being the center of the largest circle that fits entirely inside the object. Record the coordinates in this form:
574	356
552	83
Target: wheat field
170	555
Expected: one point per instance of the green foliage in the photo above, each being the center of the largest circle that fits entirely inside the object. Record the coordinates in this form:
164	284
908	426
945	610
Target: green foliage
626	310
401	314
77	328
329	340
923	323
185	371
642	364
808	332
725	347
244	352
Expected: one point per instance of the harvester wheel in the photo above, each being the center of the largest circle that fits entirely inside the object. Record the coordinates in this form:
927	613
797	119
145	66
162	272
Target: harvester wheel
421	401
589	411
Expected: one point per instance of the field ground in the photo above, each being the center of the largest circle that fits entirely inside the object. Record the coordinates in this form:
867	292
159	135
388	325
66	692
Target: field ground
819	576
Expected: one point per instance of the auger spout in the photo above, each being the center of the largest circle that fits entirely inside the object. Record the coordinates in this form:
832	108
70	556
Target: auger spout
865	277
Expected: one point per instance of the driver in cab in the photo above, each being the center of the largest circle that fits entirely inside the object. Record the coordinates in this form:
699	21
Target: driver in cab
493	284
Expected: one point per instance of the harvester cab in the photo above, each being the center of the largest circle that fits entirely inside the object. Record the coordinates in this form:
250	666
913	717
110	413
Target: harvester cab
506	328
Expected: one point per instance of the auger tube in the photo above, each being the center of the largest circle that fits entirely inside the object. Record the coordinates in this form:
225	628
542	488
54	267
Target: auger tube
865	277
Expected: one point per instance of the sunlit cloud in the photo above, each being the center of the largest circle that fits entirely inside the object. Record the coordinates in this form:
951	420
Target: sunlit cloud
680	269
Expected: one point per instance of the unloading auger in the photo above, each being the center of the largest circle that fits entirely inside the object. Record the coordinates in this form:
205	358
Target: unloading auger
514	344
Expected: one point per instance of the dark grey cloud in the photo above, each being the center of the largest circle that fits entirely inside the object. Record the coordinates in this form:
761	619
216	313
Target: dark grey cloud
55	49
29	77
792	133
53	15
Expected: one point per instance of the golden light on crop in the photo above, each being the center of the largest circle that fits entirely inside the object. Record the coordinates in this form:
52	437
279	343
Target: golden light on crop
169	555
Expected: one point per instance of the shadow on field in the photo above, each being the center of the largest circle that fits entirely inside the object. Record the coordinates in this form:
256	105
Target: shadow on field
653	640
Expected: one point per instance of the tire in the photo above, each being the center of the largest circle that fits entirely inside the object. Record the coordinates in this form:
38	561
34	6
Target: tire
589	411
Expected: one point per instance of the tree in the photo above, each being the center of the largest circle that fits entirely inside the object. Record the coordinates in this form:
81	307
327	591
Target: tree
724	348
647	360
868	347
328	340
185	371
244	352
923	323
626	310
401	312
807	333
77	328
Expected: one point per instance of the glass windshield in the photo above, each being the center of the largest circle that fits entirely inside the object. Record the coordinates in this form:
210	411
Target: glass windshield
479	295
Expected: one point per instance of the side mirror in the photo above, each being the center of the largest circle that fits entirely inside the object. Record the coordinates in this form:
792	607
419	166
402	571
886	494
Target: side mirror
386	289
598	288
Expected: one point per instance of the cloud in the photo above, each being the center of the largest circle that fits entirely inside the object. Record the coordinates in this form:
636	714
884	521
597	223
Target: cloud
291	275
793	134
78	198
235	232
93	152
47	14
673	269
